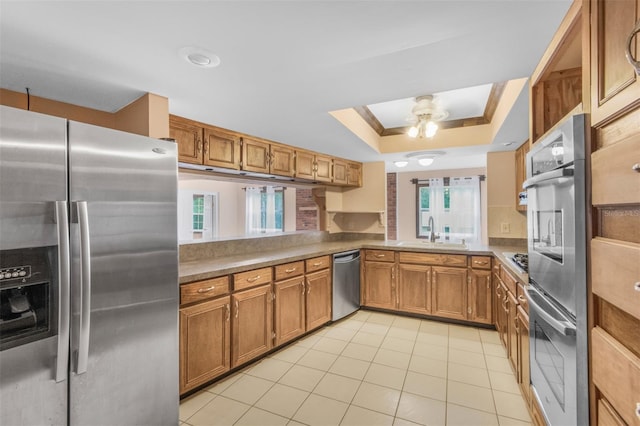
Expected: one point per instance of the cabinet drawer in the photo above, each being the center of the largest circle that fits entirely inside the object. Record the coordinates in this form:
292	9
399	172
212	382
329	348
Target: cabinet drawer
607	416
434	259
509	281
615	179
318	263
251	278
289	270
380	255
523	301
481	262
615	273
616	373
202	290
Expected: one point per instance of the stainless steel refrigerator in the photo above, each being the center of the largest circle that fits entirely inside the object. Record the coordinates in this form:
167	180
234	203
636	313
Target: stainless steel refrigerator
88	274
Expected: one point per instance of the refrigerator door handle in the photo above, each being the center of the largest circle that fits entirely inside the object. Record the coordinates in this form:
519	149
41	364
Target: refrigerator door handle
62	360
85	288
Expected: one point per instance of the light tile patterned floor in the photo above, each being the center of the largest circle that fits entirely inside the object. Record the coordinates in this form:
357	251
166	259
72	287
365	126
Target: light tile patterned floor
371	369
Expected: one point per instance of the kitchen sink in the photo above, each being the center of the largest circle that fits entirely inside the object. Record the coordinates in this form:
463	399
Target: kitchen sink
436	245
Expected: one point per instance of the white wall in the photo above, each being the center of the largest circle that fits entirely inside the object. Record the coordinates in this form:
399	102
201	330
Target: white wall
406	199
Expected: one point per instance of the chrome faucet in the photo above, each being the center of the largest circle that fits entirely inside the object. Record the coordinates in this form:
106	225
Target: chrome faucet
432	236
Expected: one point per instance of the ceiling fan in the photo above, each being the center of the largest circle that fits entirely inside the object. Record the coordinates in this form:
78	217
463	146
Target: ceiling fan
426	113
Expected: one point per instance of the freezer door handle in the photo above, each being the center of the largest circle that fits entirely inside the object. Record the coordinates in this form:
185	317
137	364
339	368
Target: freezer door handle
85	288
62	360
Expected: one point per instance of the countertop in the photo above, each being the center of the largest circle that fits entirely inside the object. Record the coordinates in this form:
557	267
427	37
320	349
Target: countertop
215	267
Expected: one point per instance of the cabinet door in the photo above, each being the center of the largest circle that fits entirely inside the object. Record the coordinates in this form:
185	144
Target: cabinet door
479	297
524	373
354	174
379	285
614	83
318	299
503	314
323	168
512	337
255	155
414	288
221	148
289	309
305	167
340	171
521	173
252	324
188	136
449	292
204	342
281	160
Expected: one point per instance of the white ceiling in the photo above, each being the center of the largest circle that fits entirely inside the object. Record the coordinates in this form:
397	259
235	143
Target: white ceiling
284	64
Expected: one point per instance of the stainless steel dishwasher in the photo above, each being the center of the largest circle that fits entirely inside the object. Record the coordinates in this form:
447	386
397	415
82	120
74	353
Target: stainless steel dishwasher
346	283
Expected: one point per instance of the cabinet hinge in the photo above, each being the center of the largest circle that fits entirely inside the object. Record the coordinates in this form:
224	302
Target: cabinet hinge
273	335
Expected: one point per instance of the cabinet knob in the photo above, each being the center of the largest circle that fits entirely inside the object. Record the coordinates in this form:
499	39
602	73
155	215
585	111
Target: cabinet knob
635	63
638	410
636	167
636	286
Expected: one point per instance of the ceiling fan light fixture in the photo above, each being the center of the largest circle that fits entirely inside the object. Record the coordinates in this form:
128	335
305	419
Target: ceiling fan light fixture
428	112
401	163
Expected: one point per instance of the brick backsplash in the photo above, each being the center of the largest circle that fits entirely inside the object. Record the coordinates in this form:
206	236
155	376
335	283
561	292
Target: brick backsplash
392	205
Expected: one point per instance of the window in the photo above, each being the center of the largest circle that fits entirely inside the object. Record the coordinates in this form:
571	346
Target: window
454	205
197	215
265	210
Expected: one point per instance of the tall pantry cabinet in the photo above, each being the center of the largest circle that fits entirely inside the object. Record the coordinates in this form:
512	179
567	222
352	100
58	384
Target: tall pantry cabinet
615	196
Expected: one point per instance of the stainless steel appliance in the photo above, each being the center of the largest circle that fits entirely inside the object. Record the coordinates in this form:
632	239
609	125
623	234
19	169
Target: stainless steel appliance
519	260
346	284
557	273
88	274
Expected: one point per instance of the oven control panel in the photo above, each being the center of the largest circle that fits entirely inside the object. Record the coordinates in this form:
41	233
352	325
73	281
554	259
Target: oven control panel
15	272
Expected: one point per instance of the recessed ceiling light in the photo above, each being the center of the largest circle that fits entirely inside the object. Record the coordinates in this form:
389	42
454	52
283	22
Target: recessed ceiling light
401	163
507	143
199	57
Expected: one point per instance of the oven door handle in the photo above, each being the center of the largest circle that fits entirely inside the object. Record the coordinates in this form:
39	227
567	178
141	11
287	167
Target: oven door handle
554	174
563	327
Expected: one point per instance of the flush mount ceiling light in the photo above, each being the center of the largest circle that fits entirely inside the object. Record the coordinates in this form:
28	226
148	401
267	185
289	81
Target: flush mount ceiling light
426	113
401	163
425	161
199	57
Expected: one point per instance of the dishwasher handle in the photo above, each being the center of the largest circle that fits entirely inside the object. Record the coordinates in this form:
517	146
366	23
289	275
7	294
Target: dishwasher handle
346	257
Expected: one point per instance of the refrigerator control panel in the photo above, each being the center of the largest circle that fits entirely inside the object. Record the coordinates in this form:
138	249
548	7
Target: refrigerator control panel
15	272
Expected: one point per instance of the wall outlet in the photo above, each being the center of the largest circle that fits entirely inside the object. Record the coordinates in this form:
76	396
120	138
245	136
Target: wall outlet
505	228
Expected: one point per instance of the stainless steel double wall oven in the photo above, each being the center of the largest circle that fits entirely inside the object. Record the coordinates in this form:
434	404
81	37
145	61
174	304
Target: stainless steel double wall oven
557	273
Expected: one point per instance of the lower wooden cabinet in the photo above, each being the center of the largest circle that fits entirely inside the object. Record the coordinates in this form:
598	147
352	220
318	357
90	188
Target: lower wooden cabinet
379	285
318	300
289	309
204	342
449	292
479	302
524	371
252	319
414	288
512	337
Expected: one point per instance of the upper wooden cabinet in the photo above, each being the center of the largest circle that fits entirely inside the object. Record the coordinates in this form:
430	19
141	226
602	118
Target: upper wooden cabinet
615	86
312	166
264	157
188	136
221	148
207	145
255	155
556	86
521	173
